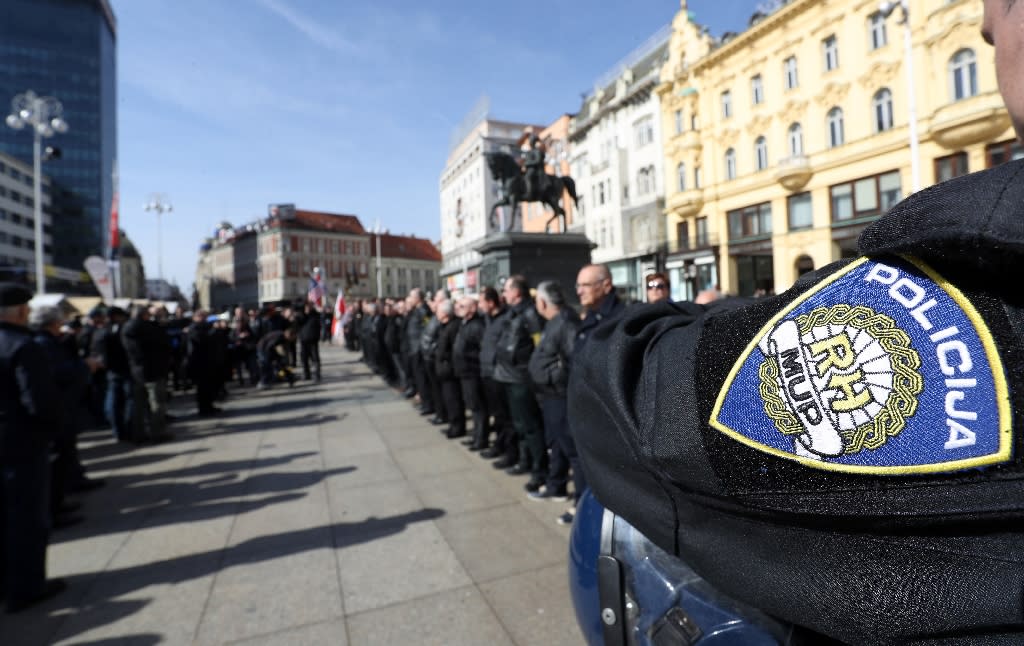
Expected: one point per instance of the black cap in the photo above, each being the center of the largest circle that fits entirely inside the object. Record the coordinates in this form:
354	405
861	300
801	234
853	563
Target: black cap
99	310
116	311
14	294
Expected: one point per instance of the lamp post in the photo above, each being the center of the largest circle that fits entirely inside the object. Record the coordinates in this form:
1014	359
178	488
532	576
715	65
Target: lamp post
159	204
43	114
886	8
377	229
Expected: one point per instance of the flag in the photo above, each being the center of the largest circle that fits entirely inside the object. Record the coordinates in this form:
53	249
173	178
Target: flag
337	328
316	291
115	234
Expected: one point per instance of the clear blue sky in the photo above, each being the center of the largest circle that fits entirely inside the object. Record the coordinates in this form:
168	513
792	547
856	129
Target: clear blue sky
226	106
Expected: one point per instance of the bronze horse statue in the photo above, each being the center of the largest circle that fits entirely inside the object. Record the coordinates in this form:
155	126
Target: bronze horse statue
505	169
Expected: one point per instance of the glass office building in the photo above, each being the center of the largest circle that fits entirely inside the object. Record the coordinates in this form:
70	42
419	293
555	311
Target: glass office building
66	49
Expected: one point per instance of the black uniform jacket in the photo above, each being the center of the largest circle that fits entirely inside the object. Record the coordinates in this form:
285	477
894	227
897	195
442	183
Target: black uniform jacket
29	403
549	364
466	353
516	343
148	349
493	330
415	321
444	355
867	557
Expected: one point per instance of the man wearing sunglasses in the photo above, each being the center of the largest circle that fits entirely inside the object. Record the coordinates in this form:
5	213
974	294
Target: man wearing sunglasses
657	288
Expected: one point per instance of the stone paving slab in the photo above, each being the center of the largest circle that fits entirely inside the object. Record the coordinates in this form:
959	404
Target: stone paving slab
323	514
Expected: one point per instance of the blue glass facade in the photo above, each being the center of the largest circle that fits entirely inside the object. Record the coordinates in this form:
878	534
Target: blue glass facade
66	49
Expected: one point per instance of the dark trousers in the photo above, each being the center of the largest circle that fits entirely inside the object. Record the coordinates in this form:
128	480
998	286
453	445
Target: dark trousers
310	353
556	433
119	405
476	401
400	379
292	354
522	406
206	390
434	384
505	437
422	383
451	389
25	514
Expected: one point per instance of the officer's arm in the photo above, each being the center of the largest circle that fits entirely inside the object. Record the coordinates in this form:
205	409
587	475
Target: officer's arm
36	385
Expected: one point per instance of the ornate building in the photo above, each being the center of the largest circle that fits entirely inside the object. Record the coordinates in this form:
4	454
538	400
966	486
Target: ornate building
617	161
784	141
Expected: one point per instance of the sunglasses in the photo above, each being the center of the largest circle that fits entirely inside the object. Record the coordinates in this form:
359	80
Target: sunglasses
656	286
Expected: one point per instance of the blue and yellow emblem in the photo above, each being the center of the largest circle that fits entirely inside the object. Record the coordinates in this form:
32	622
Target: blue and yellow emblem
882	368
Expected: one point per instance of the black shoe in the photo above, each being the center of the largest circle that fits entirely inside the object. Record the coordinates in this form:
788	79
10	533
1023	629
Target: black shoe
533	485
503	463
490	454
88	484
409	393
426	411
438	420
547	494
452	434
469	442
474	448
51	589
516	470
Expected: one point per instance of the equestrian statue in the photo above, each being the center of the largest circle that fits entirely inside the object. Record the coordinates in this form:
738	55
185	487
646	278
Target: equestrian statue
529	184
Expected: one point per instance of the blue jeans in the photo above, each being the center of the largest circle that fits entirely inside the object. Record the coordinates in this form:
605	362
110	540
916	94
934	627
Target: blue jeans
119	405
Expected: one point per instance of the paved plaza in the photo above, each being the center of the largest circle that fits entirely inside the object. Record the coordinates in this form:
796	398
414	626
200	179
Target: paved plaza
323	514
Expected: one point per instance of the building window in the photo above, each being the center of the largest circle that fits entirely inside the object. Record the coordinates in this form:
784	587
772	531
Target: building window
702	231
835	128
800	213
761	153
789	72
1004	151
963	74
950	166
600	193
751	221
697	179
830	48
868	197
730	164
644	131
881	107
876	31
796	140
679	122
683	234
645	181
726	104
681	176
757	90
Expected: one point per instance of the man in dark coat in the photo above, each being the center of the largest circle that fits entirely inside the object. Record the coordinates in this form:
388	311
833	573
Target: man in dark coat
466	359
428	350
309	339
418	314
549	371
748	441
119	402
506	447
149	356
597	296
29	418
393	336
444	362
202	363
515	346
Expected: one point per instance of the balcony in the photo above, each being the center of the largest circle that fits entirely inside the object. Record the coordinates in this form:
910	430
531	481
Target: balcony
970	121
693	243
794	172
691	140
686	203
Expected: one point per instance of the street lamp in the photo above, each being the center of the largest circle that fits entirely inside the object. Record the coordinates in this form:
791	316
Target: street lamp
159	203
885	9
378	229
43	113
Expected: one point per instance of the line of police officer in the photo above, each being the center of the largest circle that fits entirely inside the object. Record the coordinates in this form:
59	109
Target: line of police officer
506	358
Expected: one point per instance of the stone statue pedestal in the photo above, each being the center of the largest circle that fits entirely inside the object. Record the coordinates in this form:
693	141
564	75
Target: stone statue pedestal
538	256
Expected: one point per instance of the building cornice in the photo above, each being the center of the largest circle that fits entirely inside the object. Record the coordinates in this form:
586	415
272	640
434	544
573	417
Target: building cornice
746	38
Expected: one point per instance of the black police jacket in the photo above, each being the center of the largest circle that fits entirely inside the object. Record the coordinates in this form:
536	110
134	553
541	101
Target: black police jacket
466	351
29	402
493	329
415	321
393	334
444	354
115	359
148	349
610	310
549	363
309	327
848	455
516	343
428	340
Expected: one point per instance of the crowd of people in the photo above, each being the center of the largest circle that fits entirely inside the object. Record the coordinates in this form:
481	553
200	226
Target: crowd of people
505	358
115	369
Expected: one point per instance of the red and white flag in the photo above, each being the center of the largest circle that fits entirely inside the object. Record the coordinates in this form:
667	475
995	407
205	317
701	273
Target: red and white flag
316	291
337	328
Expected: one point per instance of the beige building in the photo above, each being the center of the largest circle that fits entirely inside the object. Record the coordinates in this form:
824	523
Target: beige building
782	143
405	262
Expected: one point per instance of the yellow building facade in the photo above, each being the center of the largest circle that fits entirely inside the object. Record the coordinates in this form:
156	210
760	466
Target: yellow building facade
785	141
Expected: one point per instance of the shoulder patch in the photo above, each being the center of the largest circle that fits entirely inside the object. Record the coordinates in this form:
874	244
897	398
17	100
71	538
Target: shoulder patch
882	368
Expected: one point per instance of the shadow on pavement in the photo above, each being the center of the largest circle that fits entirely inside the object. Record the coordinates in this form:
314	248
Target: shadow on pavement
138	460
146	639
99	605
264	425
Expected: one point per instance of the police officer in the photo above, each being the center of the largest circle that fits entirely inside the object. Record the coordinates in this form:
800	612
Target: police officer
309	339
549	371
597	296
444	367
881	516
415	321
515	346
466	353
29	418
428	350
506	447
